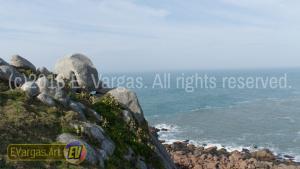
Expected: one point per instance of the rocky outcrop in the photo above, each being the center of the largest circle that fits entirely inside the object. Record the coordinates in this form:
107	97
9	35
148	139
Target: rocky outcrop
188	156
46	99
44	85
78	69
263	155
3	62
43	70
10	74
101	149
20	62
97	134
93	157
84	120
164	155
30	88
129	100
77	108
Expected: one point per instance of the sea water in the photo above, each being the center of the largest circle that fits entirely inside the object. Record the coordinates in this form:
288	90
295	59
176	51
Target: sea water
233	118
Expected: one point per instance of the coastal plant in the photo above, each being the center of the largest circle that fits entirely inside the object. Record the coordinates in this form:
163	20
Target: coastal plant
123	135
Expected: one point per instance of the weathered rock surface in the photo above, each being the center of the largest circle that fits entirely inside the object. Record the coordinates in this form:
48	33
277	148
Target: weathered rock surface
43	84
30	88
61	96
129	99
97	134
9	73
20	62
92	156
3	62
162	153
187	156
81	67
46	99
77	108
127	116
263	155
103	146
43	71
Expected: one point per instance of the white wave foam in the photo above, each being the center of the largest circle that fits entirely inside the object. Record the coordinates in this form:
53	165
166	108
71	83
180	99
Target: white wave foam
297	158
229	148
172	134
168	127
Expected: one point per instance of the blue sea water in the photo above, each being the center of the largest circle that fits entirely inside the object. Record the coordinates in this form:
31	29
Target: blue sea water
232	118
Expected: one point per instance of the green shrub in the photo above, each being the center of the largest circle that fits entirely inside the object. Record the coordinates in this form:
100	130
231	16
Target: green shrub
124	135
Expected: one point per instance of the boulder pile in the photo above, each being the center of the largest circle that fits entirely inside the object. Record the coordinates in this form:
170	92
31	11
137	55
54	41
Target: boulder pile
76	74
189	156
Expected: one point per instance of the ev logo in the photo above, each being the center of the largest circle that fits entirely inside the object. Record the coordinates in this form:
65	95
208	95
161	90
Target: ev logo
75	152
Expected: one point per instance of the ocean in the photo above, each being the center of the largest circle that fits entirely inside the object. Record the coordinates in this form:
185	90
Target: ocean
234	118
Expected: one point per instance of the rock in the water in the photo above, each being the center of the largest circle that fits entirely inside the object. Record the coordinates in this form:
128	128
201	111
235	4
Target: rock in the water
9	73
86	75
30	88
129	99
20	62
288	157
43	71
3	62
46	99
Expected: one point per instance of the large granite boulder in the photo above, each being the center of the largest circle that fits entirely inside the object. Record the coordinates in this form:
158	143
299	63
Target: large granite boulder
80	68
129	100
9	73
20	62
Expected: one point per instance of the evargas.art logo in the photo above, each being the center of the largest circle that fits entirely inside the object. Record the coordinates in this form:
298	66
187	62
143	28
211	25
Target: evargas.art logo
75	152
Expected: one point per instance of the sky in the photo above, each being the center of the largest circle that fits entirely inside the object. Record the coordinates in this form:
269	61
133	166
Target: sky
152	35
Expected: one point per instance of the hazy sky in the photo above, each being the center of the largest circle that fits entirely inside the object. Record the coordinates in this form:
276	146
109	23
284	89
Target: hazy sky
132	35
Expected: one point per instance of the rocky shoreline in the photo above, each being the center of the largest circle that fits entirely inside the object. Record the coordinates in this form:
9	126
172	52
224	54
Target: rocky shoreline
189	156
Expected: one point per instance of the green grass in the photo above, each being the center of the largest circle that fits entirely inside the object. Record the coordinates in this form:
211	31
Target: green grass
24	120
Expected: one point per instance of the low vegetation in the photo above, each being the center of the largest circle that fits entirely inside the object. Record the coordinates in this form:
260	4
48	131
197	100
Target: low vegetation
25	120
